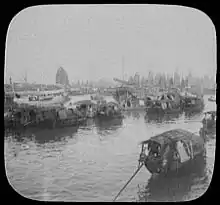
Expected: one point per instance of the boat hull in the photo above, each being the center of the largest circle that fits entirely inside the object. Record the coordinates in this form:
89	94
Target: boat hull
172	150
211	100
198	106
174	166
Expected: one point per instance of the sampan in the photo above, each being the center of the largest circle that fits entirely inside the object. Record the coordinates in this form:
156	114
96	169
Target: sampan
170	150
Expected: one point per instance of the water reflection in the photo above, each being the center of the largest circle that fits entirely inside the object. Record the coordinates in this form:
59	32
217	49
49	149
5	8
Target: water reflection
44	135
156	118
175	187
135	114
108	124
106	127
93	155
193	114
88	124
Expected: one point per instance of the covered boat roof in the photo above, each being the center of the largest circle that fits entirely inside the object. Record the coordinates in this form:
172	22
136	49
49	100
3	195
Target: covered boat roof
210	112
55	102
78	98
110	99
97	97
172	136
85	102
151	97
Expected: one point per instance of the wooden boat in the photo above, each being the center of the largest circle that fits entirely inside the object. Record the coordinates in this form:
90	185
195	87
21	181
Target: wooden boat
167	103
212	99
134	104
209	121
40	98
72	119
55	101
86	108
171	150
192	102
169	153
42	117
159	188
109	108
130	99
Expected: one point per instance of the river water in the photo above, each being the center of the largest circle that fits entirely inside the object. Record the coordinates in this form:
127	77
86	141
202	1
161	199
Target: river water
93	162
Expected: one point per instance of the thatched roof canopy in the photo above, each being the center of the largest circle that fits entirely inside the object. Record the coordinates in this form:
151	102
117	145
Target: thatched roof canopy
171	136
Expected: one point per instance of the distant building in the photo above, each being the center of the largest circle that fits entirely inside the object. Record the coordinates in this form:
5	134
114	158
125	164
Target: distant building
62	77
150	78
177	79
130	80
137	79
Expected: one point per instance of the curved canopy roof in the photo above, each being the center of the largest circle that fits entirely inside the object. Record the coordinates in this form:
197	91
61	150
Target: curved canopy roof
172	136
110	99
84	102
210	112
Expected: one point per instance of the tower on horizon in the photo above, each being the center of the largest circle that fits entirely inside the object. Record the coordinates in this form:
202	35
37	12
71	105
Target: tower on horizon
62	77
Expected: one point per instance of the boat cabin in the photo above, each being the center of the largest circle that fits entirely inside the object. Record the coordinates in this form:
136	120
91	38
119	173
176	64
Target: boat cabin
87	108
209	120
170	150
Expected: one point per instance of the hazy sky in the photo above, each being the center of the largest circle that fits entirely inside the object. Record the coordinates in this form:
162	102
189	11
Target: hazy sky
90	41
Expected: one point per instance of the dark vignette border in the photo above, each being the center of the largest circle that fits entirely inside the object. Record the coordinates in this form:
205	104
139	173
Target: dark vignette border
10	9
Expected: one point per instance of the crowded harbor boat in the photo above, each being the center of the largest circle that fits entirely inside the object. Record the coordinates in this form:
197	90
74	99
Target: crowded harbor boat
192	102
209	121
58	109
212	98
169	102
171	150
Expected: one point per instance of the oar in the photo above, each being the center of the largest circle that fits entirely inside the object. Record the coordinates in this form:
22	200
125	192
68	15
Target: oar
138	169
28	123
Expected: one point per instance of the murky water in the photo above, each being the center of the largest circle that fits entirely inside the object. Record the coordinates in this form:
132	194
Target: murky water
94	161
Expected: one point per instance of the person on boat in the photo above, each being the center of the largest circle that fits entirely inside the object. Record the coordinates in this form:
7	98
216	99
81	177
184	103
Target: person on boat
108	111
62	114
116	109
32	115
128	103
123	104
163	105
89	111
213	117
41	116
22	117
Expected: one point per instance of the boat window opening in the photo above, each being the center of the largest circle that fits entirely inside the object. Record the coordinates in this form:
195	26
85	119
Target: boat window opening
128	103
181	149
83	106
154	149
213	117
146	151
169	97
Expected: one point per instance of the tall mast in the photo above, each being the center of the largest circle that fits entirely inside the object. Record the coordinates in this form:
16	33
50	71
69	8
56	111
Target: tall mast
25	77
12	85
122	67
42	82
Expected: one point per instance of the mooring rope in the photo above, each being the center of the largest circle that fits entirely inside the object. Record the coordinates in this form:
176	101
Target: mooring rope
138	169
